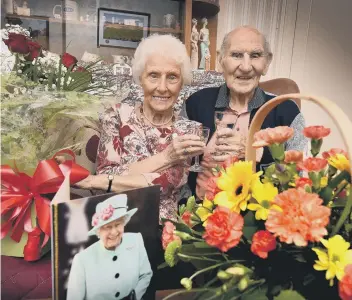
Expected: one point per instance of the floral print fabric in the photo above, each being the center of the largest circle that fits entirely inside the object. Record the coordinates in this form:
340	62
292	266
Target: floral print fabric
126	139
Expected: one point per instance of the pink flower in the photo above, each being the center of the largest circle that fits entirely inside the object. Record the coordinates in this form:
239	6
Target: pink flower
168	235
333	151
293	156
316	132
269	136
107	213
223	229
312	164
95	219
262	243
345	284
300	219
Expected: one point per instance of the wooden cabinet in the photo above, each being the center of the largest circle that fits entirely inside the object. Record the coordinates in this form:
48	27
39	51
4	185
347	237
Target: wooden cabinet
80	34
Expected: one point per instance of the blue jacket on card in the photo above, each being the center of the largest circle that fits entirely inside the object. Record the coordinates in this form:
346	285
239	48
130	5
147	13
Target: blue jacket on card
101	274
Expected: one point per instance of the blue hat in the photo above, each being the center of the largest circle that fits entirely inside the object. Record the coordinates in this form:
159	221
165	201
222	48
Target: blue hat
110	210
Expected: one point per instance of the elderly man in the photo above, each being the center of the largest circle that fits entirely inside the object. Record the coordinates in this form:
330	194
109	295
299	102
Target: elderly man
245	56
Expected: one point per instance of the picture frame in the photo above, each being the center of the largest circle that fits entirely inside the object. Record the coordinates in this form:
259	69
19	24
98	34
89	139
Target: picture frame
38	27
72	220
121	28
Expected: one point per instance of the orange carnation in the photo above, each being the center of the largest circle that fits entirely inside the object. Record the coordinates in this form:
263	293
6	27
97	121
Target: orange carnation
301	219
168	235
212	188
223	229
333	152
312	164
316	132
301	182
269	136
345	284
293	156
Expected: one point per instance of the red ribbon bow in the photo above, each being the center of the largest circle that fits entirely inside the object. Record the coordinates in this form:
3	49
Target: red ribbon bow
19	190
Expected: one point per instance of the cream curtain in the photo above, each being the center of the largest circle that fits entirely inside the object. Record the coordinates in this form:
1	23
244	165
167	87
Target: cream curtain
275	18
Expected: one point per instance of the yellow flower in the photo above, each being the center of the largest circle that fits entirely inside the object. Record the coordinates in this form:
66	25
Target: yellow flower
340	162
323	181
335	259
205	210
235	185
264	194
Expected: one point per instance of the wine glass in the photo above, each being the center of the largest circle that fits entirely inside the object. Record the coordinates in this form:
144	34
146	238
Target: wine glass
203	133
223	119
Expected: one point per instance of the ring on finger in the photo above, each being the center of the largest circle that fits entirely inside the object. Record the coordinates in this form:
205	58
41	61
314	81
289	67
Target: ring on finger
185	151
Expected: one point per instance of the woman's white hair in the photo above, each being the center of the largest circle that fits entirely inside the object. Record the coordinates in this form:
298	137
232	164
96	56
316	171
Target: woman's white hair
163	45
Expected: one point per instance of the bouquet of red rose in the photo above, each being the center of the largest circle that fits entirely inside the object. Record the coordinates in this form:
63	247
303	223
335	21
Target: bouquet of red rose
281	234
51	71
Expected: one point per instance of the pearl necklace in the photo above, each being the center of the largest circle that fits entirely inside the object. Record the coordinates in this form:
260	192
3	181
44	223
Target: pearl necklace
151	122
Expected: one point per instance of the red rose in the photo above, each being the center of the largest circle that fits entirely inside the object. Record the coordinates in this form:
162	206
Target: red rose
316	132
186	217
68	60
168	235
17	43
262	243
223	229
34	50
345	284
301	182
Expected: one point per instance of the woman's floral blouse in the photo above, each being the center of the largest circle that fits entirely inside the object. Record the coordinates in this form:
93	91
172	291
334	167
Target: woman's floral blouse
126	139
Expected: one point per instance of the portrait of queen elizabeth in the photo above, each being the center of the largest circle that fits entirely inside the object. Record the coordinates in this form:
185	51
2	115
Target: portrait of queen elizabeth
117	265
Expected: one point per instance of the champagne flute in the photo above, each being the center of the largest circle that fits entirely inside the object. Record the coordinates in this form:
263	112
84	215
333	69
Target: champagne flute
222	121
203	133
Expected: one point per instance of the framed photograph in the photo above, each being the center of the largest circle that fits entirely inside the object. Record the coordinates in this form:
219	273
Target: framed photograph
120	28
37	26
93	258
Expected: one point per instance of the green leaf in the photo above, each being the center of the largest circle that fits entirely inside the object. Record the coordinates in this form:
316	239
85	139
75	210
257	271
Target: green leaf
257	294
162	266
202	245
289	295
191	202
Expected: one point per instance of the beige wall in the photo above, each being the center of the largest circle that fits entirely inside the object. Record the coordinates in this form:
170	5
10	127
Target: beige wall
322	59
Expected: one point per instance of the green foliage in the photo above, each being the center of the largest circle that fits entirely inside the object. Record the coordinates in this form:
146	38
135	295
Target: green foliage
289	295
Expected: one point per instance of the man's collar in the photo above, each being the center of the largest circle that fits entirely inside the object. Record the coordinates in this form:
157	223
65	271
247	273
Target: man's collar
223	99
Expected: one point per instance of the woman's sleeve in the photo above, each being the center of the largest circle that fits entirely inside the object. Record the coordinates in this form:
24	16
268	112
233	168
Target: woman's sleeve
76	288
145	270
111	144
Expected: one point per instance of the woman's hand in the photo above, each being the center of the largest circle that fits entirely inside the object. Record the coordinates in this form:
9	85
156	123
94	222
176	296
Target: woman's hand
184	147
229	143
86	183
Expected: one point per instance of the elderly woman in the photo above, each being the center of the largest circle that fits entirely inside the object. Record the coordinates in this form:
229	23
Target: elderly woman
244	57
116	266
148	141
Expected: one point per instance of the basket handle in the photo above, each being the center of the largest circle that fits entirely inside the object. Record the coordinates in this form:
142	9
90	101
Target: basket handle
336	113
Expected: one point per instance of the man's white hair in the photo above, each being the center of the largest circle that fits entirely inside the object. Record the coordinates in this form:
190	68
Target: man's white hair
226	41
163	45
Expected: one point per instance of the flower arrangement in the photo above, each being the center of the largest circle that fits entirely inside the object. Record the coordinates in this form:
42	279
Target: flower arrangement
280	234
42	92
